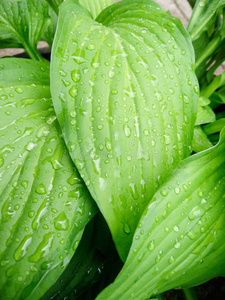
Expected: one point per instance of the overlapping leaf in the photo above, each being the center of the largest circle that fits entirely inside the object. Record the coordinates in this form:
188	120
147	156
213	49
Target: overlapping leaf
179	240
22	23
125	95
44	205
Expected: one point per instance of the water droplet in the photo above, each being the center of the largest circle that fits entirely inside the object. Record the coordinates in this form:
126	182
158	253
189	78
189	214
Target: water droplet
151	245
91	46
22	249
75	75
41	189
177	190
43	248
19	90
164	192
146	132
191	234
176	228
73	91
114	92
177	244
127	130
61	222
126	228
171	260
186	99
196	212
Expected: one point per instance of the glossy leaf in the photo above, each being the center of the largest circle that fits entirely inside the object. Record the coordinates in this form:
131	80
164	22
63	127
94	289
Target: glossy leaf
125	95
23	22
44	204
179	239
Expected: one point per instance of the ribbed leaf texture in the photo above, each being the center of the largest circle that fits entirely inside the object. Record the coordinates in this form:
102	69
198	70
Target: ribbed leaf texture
44	204
179	240
125	95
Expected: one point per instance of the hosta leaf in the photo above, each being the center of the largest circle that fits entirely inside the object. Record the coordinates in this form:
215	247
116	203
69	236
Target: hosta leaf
44	205
23	22
179	240
125	96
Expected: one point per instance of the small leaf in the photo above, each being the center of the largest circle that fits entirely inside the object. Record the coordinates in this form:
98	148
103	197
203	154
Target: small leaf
179	239
200	140
125	95
44	204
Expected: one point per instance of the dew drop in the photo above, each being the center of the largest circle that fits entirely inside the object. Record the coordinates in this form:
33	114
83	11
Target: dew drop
196	212
41	189
75	75
61	222
127	130
151	245
43	248
126	228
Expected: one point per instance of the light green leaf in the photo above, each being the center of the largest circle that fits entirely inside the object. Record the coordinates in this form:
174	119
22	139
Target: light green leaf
205	115
44	204
96	6
179	241
200	140
125	95
23	22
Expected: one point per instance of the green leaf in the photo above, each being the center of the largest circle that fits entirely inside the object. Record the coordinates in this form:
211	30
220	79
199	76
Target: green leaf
200	140
125	95
24	22
205	114
179	239
44	204
55	5
96	6
214	127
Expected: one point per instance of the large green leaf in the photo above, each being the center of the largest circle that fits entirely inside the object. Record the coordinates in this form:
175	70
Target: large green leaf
125	95
44	204
179	241
23	22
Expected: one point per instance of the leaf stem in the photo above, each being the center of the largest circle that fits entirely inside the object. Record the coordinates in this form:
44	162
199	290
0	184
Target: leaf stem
190	294
217	82
198	9
32	52
213	45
